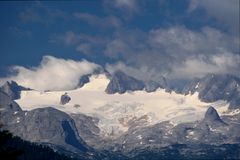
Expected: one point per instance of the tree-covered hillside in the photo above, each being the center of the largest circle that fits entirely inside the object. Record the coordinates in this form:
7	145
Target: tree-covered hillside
12	148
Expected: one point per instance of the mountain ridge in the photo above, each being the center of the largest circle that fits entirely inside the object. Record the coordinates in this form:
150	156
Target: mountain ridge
82	133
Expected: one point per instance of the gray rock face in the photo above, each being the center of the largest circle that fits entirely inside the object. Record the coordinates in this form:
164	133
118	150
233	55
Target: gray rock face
7	104
83	80
211	115
88	129
162	81
212	121
45	125
191	87
216	87
235	101
120	83
8	109
64	99
151	86
12	89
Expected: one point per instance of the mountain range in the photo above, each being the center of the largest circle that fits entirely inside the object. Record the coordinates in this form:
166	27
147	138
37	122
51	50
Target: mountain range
116	116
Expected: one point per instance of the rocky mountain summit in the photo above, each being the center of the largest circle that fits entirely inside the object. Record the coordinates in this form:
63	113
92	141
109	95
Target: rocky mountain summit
121	82
64	99
215	87
212	116
12	89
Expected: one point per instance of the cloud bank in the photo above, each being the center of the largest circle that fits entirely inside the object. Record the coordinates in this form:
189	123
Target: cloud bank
63	74
178	52
174	52
52	74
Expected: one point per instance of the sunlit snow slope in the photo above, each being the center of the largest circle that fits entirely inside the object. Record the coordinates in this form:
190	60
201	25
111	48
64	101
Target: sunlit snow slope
118	111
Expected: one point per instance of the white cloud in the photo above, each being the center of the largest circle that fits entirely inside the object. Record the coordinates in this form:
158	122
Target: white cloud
199	66
52	74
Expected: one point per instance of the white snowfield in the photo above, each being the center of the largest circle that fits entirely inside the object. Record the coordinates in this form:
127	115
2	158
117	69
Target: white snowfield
117	112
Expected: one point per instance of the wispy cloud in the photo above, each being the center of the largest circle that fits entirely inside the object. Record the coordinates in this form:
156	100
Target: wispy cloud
19	32
126	4
68	38
40	13
83	43
126	8
85	48
102	22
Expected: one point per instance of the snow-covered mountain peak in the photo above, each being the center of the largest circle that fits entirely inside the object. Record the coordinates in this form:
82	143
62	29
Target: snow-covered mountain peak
98	82
119	112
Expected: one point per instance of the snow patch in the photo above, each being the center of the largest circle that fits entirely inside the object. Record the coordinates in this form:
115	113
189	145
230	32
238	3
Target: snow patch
139	136
191	133
232	113
18	119
197	85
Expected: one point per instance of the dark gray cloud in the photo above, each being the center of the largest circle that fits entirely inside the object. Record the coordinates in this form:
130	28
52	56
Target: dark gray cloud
225	11
175	52
178	52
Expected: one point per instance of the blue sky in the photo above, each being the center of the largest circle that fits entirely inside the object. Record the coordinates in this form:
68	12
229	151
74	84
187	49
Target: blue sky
162	36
